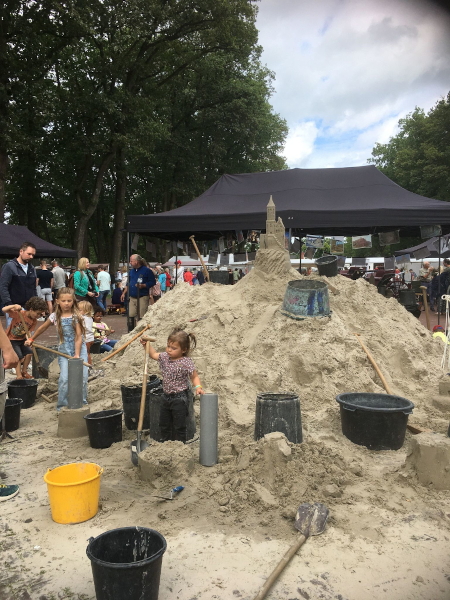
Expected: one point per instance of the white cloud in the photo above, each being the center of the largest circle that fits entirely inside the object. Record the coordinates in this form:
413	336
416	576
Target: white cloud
351	68
300	143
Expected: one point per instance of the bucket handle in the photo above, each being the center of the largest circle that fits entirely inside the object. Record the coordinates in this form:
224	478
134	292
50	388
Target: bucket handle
346	407
406	411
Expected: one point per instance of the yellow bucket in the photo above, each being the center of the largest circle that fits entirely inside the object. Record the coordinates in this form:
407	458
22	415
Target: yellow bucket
74	491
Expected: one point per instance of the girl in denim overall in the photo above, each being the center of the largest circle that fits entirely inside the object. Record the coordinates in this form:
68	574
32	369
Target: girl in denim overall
70	326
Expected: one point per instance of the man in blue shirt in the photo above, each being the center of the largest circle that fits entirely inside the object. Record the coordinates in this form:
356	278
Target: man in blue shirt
139	284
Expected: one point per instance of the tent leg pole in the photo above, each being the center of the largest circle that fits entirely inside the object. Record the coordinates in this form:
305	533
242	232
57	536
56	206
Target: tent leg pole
439	283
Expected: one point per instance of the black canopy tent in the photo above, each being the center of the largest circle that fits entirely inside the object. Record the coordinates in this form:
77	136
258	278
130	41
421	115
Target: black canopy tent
346	201
432	245
13	236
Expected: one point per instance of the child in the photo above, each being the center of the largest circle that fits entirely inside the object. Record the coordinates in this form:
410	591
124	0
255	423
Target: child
116	296
101	331
87	312
35	308
177	369
70	327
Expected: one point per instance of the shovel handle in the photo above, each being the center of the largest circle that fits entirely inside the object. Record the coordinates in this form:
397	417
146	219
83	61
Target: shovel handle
59	353
27	333
144	389
280	568
375	366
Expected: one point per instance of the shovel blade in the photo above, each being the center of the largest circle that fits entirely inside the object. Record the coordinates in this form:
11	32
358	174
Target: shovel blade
135	450
311	518
43	372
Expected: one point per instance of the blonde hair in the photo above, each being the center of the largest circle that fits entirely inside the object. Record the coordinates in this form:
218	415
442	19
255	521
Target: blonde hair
76	314
86	308
82	263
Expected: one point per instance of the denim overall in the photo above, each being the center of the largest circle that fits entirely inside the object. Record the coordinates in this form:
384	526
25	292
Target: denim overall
68	347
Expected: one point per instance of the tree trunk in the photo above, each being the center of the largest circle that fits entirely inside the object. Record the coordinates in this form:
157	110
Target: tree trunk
119	212
87	209
3	174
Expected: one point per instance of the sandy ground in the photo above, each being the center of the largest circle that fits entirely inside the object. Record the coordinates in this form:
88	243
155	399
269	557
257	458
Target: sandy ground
387	536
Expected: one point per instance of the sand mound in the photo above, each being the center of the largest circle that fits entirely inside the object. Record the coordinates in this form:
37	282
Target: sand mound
245	345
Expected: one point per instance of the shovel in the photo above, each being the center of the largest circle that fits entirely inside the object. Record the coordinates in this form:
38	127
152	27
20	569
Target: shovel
310	520
137	445
59	353
42	371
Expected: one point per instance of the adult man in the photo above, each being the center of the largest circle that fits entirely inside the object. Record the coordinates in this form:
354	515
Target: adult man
141	280
446	265
104	286
59	277
18	278
425	273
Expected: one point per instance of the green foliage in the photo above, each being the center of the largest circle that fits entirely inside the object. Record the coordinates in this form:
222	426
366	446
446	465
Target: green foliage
418	157
132	107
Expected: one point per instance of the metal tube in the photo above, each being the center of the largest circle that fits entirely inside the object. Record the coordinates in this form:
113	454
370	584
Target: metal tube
75	383
209	429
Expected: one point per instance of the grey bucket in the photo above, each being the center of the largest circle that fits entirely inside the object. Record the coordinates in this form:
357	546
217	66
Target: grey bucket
306	298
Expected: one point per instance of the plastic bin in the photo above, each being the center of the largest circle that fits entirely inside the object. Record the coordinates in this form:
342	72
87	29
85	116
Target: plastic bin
25	389
74	491
12	414
131	401
306	298
104	428
377	421
327	265
126	563
278	412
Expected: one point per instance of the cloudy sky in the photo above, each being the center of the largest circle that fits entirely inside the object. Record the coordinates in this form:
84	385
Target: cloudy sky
348	70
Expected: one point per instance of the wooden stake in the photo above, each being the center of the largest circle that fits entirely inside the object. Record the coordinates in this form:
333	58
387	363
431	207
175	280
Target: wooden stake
425	303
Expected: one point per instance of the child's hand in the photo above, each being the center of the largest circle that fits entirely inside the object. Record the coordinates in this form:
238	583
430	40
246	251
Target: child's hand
15	308
28	342
199	391
112	331
144	340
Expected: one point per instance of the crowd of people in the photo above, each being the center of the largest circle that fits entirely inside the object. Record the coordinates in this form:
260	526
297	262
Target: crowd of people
437	283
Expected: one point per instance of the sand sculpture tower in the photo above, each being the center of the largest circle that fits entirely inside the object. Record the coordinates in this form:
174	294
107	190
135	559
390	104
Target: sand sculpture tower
274	236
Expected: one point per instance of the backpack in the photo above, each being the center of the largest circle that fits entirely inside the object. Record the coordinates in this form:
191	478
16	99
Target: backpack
70	283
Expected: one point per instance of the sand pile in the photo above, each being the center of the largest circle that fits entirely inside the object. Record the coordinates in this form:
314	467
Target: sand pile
245	345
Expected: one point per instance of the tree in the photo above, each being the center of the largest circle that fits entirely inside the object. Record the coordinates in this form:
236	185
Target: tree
418	157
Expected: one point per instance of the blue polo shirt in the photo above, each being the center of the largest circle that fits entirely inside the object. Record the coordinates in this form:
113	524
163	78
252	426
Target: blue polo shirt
147	277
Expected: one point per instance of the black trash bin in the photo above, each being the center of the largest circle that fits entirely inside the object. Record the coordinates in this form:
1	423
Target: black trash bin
156	398
377	421
12	413
126	563
45	360
26	389
327	265
104	428
131	401
278	412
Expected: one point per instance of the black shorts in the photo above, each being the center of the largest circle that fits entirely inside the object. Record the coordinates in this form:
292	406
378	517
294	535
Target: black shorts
20	349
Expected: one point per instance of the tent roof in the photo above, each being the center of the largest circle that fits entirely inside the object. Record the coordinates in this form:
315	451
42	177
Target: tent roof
13	236
431	247
346	201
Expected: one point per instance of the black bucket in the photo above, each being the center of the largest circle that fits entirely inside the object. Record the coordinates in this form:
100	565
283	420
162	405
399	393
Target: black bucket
327	265
377	421
126	563
382	290
407	297
12	414
278	412
26	389
45	360
131	401
104	428
156	398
